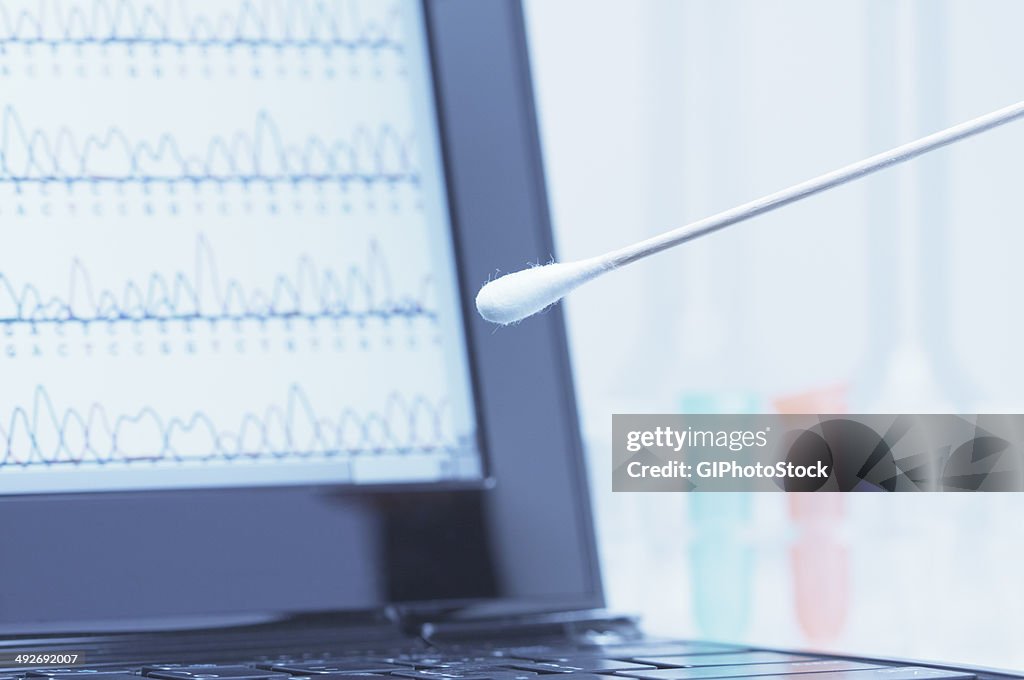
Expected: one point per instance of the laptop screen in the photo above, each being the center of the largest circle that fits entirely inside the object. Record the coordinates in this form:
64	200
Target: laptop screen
255	288
238	380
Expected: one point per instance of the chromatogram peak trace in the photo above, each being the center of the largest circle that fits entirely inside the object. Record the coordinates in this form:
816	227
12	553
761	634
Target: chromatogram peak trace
251	24
30	156
44	435
310	292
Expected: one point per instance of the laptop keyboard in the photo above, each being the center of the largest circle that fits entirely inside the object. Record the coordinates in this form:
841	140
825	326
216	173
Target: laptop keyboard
660	661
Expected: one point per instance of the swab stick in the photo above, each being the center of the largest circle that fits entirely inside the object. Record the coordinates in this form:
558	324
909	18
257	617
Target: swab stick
515	296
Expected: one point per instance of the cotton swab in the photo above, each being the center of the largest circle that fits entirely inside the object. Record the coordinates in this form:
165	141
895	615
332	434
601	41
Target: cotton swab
515	296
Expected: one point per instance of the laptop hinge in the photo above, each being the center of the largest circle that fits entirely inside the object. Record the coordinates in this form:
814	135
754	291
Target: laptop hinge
586	627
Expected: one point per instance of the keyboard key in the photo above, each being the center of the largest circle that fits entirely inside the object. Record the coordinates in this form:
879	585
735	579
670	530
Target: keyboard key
211	672
583	676
481	668
473	662
415	664
736	659
123	675
792	668
335	666
403	663
467	674
538	652
633	651
669	648
77	673
350	676
468	668
887	673
580	665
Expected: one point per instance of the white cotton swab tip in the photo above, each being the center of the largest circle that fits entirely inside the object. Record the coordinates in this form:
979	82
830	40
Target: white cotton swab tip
515	296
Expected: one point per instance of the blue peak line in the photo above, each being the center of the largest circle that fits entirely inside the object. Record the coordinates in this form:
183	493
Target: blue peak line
273	24
309	293
262	155
44	435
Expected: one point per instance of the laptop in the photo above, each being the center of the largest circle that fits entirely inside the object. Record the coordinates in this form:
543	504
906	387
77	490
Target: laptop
250	427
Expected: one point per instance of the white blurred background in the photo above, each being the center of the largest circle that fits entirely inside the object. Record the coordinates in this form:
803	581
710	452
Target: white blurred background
899	293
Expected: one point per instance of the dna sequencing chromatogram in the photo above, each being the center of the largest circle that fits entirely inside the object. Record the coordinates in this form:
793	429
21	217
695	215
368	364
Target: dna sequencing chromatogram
201	38
308	292
41	434
275	24
225	257
367	156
